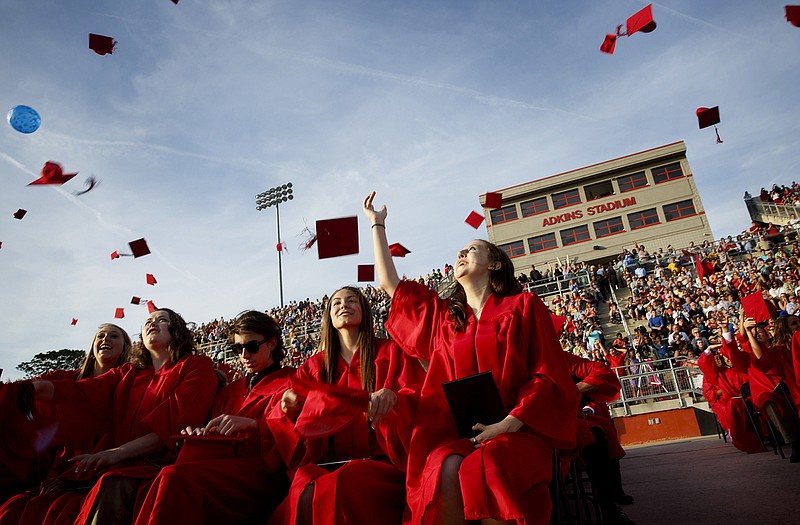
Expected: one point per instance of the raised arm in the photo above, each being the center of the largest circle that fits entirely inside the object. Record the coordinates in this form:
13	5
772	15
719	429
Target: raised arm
387	274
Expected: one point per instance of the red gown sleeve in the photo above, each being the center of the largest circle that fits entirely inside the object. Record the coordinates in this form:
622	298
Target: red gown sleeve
189	403
86	407
415	318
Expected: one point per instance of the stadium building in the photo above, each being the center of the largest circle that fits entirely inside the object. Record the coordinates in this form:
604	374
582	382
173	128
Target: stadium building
592	213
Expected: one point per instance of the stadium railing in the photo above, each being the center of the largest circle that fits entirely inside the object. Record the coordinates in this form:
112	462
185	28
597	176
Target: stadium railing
659	380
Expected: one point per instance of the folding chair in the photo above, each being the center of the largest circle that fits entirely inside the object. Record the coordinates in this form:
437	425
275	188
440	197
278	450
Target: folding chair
771	438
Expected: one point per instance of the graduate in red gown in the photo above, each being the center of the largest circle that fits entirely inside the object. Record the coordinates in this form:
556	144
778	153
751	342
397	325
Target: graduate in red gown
235	485
487	324
110	348
367	440
769	369
166	388
722	385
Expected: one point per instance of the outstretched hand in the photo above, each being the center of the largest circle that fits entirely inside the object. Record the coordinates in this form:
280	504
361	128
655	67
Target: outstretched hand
375	217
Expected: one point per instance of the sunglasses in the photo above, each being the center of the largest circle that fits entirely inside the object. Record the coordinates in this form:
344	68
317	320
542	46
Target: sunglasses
251	346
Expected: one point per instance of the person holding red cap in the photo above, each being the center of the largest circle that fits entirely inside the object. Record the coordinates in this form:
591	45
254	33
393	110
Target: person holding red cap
241	409
164	389
487	324
353	469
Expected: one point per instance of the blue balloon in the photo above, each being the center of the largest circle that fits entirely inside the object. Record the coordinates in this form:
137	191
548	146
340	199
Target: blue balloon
24	119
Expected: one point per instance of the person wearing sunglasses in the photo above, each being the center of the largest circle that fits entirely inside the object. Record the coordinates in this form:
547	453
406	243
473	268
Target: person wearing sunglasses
166	387
365	449
240	412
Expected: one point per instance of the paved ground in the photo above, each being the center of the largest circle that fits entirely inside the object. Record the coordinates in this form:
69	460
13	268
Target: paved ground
705	481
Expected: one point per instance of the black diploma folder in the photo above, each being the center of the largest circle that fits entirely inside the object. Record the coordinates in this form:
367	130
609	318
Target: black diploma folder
474	399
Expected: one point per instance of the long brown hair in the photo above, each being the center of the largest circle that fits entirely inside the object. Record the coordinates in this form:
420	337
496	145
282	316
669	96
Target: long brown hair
782	334
87	369
182	342
502	281
367	348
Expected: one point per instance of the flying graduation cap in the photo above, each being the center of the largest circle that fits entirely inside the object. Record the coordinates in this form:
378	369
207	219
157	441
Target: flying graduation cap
493	200
641	22
74	321
793	15
474	219
20	213
151	279
102	45
138	248
119	313
398	250
366	273
707	117
336	237
52	173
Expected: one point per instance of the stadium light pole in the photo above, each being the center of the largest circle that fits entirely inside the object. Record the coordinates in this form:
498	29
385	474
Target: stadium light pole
273	197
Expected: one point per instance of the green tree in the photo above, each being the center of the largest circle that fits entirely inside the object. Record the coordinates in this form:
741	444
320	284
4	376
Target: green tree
63	359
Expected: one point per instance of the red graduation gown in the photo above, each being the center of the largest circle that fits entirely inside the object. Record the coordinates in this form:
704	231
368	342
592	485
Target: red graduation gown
506	478
728	406
235	489
598	375
130	403
363	490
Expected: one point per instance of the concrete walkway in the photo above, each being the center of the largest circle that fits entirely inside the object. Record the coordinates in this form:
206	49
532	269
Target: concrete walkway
706	481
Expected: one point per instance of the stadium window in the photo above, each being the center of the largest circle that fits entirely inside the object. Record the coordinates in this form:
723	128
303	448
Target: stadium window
513	249
599	190
640	219
566	198
666	173
608	227
501	215
575	235
632	181
679	210
542	242
534	207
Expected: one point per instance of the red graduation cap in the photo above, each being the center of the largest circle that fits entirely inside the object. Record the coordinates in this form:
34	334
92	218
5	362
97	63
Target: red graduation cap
337	237
136	300
151	279
175	1
20	213
102	45
609	44
366	273
74	321
641	21
139	248
703	267
151	307
709	117
756	308
114	255
474	219
793	15
204	448
398	250
493	200
52	174
327	408
119	313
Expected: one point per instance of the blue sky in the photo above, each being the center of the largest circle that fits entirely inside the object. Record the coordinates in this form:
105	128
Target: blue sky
205	104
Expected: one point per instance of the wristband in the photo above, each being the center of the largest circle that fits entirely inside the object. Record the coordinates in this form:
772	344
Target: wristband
379	224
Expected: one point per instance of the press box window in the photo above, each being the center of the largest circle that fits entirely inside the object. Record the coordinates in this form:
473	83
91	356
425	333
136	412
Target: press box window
679	210
575	235
632	181
542	242
501	215
566	198
643	218
599	190
513	249
667	173
608	227
534	207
